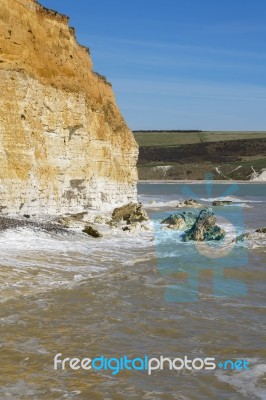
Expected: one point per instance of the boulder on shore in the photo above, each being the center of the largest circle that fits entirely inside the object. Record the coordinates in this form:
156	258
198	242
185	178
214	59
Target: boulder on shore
242	237
218	203
135	227
261	230
189	203
72	220
89	230
204	228
130	213
181	221
257	235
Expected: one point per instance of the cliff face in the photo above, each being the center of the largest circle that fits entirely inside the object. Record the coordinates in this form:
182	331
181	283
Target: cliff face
64	145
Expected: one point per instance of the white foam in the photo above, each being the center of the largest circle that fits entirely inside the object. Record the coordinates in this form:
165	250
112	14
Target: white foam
35	261
230	198
245	382
161	204
153	204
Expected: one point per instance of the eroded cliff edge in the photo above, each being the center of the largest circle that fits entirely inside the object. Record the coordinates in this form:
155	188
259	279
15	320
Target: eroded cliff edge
64	146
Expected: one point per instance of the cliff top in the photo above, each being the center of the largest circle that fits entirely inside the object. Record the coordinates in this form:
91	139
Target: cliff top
27	42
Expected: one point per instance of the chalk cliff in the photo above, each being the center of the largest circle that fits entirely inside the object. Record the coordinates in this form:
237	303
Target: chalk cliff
64	145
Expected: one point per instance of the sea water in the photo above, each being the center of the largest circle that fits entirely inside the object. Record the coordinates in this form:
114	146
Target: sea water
86	297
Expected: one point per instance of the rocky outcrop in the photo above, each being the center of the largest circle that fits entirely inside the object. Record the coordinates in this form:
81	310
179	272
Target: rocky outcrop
74	220
248	235
197	227
261	230
242	237
64	146
190	203
252	238
130	213
180	222
204	228
91	231
218	203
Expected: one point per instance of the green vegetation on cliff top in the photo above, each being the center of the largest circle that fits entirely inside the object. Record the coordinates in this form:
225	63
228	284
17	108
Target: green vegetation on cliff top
192	154
178	138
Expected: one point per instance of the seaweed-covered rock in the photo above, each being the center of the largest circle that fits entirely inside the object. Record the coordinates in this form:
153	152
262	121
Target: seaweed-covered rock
175	221
204	228
261	230
218	203
189	203
130	213
72	220
214	233
89	230
182	221
242	237
190	218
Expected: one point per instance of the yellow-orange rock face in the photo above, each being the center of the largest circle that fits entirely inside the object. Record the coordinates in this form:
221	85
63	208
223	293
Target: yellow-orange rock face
64	145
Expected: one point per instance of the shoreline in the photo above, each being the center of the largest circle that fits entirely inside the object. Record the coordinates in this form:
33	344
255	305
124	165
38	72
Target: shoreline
19	221
194	181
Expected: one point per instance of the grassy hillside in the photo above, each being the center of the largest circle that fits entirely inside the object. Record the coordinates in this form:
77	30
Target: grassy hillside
177	138
192	154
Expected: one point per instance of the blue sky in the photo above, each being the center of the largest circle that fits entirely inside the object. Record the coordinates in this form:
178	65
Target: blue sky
178	64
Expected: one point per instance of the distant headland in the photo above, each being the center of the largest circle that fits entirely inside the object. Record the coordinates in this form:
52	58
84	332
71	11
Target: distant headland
190	154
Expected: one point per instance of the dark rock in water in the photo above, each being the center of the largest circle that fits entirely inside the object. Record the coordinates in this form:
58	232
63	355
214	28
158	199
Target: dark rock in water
89	230
250	235
242	237
181	221
130	213
191	202
204	228
261	230
71	220
214	233
190	218
217	203
175	221
26	215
